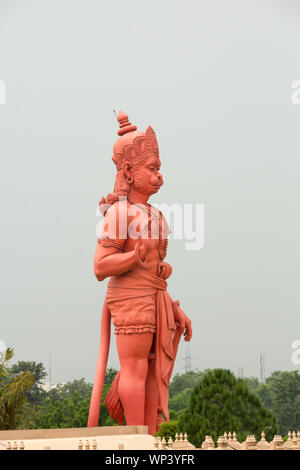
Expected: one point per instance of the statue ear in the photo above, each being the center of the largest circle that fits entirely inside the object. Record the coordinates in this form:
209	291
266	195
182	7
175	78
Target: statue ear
127	171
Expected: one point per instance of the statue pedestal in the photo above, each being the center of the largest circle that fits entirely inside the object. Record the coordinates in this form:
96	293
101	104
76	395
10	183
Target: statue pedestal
105	438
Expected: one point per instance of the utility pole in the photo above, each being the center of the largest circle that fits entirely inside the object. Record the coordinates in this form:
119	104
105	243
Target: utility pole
262	361
50	369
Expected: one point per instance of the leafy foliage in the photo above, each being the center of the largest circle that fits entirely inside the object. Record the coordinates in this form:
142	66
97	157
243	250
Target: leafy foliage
12	390
178	403
69	413
5	357
200	403
282	394
168	429
182	381
221	402
110	375
252	383
66	406
36	394
64	391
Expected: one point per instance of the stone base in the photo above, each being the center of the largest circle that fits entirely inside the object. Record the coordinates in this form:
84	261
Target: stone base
106	437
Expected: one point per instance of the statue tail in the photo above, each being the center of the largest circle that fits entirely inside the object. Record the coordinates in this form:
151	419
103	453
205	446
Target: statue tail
101	368
113	402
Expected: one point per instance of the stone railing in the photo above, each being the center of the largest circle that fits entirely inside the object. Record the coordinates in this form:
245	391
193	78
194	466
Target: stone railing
181	443
226	442
229	442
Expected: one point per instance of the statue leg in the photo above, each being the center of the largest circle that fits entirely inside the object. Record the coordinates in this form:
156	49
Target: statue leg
133	351
151	400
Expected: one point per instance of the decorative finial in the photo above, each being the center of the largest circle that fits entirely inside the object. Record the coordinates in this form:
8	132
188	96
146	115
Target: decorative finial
125	125
94	444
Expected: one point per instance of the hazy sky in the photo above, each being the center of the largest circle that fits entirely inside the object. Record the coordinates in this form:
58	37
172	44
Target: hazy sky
214	79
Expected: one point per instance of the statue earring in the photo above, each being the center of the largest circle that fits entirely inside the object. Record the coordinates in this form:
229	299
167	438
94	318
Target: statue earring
130	180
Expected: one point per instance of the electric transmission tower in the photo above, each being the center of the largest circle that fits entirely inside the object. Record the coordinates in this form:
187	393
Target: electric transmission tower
188	359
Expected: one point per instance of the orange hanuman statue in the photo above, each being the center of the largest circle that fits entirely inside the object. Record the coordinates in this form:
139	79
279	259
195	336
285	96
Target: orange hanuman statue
131	251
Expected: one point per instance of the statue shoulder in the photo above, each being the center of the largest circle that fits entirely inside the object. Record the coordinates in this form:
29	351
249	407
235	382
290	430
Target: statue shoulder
118	209
116	221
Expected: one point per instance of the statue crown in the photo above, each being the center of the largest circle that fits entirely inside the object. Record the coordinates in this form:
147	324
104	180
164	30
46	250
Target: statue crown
125	125
133	145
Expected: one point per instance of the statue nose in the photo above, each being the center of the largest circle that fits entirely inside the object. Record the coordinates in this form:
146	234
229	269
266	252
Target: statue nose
160	179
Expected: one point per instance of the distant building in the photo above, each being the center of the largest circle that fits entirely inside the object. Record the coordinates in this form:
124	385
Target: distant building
47	386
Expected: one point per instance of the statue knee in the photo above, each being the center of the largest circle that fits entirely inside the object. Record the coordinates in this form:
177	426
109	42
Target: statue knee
136	369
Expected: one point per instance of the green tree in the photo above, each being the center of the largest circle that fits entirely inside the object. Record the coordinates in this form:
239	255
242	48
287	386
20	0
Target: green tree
66	405
27	416
110	375
83	388
284	396
264	393
178	403
182	381
252	383
221	402
70	412
167	430
36	394
13	390
62	391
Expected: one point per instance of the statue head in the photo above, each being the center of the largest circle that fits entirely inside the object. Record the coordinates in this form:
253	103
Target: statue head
136	157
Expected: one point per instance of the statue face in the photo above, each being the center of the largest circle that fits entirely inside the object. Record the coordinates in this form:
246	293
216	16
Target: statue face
146	177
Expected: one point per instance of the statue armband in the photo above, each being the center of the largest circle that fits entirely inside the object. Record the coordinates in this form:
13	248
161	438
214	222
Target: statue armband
110	243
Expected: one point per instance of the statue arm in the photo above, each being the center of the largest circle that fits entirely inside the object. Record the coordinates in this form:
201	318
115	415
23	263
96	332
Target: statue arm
109	259
110	262
182	321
